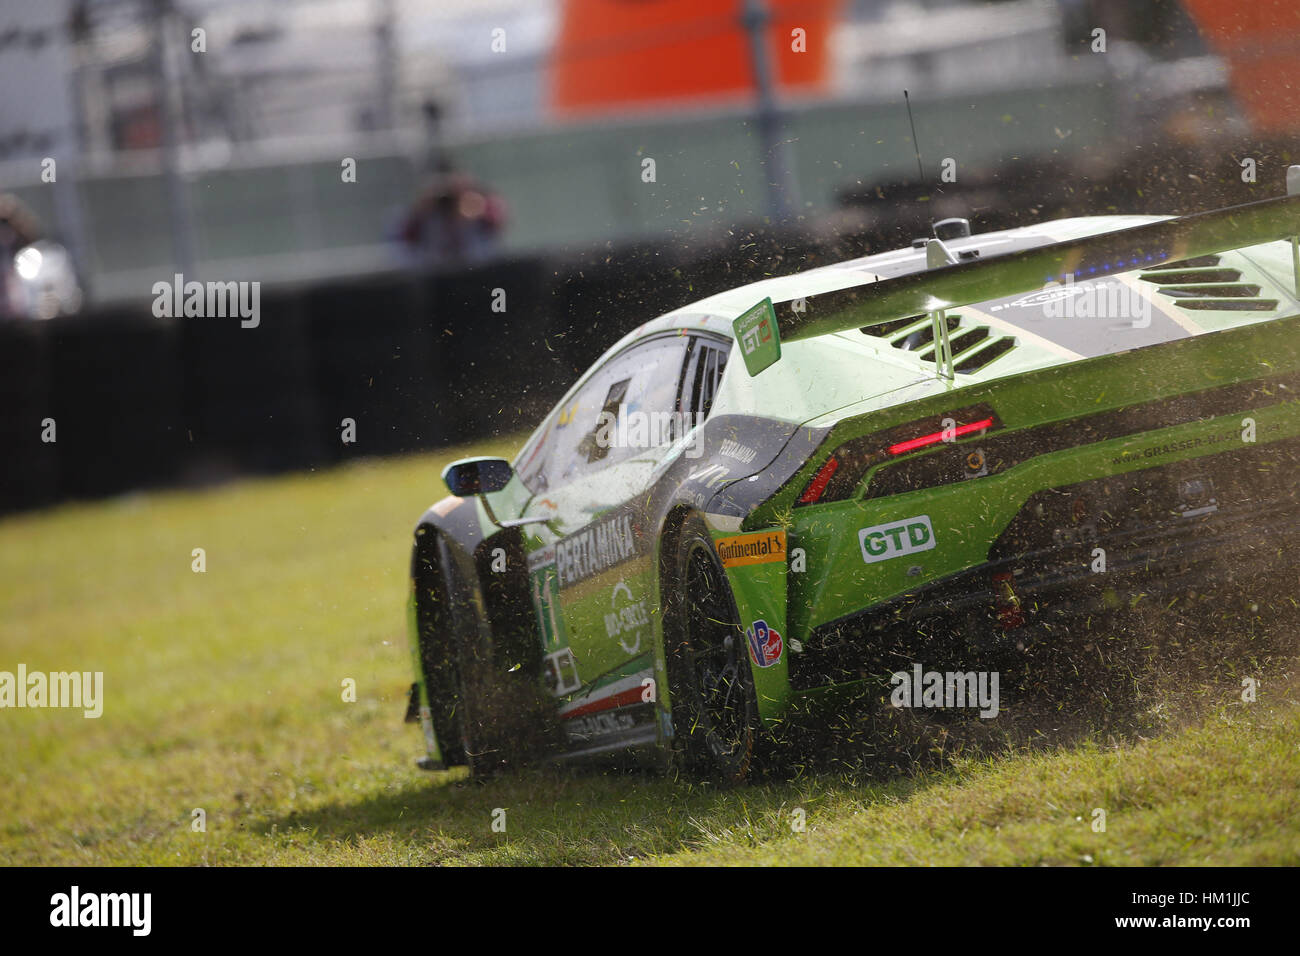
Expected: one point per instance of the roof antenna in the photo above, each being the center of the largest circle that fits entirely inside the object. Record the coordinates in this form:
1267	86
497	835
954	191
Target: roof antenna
915	144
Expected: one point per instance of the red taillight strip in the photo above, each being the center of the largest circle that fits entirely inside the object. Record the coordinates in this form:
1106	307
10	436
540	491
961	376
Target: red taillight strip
819	482
840	477
933	439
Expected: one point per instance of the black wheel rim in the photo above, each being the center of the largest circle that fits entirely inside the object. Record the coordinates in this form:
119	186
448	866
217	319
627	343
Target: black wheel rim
715	648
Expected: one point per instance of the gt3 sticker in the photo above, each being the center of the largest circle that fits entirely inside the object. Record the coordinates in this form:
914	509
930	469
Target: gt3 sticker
897	538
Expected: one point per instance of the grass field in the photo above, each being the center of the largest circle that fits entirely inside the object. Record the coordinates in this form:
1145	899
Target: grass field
224	693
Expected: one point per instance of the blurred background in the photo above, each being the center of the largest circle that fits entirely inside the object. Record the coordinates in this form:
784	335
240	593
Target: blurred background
451	208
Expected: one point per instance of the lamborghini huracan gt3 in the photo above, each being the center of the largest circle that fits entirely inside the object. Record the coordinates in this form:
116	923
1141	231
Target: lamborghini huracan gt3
744	501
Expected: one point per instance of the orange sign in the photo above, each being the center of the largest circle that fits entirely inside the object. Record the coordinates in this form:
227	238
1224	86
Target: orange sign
614	53
1260	41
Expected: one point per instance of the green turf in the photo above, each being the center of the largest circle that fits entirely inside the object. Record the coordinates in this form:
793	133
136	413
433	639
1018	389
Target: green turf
224	692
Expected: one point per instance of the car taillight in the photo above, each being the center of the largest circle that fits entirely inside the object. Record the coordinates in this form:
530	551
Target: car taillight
819	482
951	434
841	476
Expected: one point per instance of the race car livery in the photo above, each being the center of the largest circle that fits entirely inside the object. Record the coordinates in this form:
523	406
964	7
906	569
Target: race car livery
769	493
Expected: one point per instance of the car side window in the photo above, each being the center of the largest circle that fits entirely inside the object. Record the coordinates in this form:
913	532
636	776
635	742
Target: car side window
626	406
703	376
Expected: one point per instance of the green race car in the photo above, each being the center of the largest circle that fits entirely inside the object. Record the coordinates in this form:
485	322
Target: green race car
756	503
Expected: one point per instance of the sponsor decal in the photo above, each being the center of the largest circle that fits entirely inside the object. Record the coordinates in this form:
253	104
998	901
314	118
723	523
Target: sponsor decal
583	729
733	449
543	586
763	547
1051	292
1169	448
628	616
616	708
610	726
765	644
897	538
595	549
710	477
620	692
541	557
1096	299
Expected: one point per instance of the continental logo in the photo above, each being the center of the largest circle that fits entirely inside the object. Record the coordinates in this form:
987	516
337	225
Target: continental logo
764	547
897	538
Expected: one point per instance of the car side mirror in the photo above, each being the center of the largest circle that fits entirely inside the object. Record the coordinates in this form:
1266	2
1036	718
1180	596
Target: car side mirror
477	476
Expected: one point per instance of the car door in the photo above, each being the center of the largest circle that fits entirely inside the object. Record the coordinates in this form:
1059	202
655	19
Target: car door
590	565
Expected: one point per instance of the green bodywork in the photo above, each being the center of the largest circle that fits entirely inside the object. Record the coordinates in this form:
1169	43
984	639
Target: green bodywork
851	384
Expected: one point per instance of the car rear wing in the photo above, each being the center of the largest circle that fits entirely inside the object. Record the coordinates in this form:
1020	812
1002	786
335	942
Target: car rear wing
946	284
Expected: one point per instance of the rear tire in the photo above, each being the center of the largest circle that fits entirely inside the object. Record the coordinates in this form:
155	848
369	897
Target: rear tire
714	707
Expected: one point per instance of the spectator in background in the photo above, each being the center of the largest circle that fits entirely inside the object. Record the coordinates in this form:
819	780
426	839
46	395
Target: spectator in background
455	221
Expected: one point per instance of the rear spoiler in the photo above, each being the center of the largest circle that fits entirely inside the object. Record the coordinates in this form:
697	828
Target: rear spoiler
932	291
